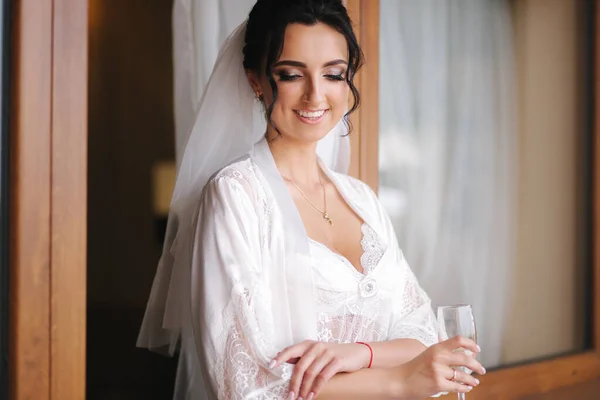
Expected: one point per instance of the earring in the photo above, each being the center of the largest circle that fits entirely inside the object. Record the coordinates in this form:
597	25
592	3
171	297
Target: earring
259	97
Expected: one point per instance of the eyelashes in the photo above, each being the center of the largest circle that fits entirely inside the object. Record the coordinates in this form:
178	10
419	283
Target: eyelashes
284	77
287	77
336	77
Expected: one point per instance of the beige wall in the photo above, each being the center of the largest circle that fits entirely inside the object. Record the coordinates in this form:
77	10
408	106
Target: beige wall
543	315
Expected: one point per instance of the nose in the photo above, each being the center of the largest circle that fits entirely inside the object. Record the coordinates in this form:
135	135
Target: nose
314	92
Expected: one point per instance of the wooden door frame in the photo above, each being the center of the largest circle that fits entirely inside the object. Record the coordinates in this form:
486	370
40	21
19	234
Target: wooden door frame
48	199
365	121
511	382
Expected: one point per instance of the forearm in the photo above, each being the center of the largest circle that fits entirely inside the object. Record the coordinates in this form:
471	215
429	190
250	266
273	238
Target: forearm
392	353
380	382
372	384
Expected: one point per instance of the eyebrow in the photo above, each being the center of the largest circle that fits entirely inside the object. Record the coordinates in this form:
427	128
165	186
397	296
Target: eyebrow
299	64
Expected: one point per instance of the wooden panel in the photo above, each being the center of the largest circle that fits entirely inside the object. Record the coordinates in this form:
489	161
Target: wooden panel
364	139
369	89
535	378
29	272
582	391
354	12
69	200
48	200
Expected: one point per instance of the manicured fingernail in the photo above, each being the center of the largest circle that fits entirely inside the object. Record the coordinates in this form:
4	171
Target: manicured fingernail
299	398
292	396
478	349
476	381
483	371
469	388
272	364
310	396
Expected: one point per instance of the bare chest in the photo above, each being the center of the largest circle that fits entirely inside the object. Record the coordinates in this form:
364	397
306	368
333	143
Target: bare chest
340	229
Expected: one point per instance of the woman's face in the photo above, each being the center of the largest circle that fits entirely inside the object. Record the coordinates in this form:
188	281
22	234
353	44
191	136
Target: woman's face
310	77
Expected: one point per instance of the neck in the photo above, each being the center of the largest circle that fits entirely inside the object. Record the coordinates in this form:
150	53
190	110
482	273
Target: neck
295	160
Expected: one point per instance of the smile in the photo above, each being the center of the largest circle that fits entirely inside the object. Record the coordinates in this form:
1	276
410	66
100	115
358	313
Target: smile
311	117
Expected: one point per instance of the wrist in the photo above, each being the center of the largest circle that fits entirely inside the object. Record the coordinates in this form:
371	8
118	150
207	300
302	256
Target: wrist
368	351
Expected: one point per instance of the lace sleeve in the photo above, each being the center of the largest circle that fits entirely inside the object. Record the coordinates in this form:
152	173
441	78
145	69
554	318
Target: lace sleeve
232	300
413	317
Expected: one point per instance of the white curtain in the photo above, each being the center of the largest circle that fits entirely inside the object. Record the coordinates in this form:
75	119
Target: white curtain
447	151
199	29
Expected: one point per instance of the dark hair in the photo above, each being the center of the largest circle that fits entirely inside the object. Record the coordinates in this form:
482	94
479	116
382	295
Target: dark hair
265	36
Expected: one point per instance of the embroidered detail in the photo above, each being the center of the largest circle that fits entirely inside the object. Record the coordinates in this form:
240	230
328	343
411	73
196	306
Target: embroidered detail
373	249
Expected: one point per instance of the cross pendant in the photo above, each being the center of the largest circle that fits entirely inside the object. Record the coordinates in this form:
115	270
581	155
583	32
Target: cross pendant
328	219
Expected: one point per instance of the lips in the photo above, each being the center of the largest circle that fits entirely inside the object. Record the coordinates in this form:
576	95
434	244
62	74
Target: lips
311	116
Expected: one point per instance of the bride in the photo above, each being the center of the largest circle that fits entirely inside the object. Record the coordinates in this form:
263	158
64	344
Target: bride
281	278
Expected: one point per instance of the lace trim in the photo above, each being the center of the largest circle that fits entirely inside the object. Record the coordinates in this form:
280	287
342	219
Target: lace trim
372	246
373	249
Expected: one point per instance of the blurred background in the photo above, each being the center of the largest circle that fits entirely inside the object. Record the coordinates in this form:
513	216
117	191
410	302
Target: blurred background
485	165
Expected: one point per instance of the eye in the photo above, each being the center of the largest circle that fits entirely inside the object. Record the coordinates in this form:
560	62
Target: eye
336	78
283	76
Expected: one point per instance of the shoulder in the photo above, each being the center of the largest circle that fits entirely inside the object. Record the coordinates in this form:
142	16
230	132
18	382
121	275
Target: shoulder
355	187
238	178
241	170
362	197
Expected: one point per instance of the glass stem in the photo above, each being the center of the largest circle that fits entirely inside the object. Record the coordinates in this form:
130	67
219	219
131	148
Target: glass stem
461	396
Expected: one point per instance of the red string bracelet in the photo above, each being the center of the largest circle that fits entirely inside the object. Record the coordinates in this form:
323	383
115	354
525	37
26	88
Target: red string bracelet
371	350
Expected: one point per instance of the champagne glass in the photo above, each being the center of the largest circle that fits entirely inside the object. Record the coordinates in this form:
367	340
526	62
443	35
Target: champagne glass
457	320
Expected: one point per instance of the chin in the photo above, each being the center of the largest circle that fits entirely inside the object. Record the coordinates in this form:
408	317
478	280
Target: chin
314	133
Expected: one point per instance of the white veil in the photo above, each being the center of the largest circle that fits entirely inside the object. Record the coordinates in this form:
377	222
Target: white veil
228	124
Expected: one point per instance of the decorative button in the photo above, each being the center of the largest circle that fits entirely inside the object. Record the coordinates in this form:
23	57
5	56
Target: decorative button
368	287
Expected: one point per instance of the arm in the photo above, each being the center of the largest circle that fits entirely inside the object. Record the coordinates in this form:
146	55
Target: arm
427	374
229	302
395	352
373	384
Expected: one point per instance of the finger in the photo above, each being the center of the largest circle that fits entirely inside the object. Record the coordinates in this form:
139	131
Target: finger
461	342
305	362
463	360
457	387
466	379
313	371
326	374
291	352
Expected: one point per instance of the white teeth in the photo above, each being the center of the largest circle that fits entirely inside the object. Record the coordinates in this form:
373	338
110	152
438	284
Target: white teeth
310	114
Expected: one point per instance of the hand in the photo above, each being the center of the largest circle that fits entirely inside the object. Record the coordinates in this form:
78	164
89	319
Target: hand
431	372
317	362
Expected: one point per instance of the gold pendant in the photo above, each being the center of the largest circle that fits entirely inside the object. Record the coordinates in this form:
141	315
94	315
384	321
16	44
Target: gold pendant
328	219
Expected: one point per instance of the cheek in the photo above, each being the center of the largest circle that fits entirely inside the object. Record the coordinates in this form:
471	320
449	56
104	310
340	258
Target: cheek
289	95
339	98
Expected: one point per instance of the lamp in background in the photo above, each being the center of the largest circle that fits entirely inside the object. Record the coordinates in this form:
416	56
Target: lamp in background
163	183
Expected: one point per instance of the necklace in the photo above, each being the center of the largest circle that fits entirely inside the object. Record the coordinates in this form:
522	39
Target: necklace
324	211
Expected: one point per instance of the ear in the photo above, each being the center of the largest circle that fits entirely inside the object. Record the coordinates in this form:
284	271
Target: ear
254	81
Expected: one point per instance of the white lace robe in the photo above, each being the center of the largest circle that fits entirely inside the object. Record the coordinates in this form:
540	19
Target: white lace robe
241	233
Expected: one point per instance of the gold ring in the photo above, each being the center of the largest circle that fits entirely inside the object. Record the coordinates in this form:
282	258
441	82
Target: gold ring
453	376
